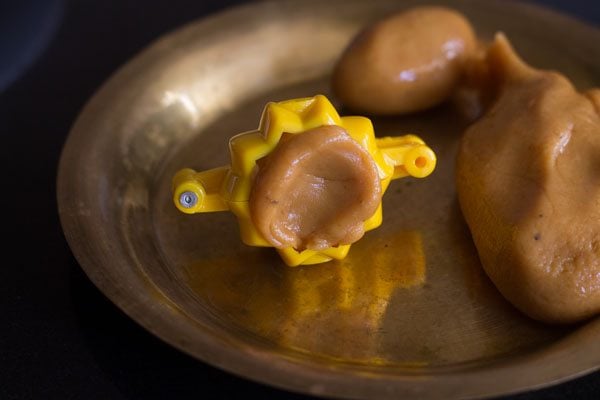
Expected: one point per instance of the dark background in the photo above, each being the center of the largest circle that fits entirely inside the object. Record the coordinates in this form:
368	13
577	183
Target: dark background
60	338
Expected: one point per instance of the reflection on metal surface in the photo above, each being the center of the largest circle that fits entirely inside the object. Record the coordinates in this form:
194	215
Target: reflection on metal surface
332	310
169	98
417	320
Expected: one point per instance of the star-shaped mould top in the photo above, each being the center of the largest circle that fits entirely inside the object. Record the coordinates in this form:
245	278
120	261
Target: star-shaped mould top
294	117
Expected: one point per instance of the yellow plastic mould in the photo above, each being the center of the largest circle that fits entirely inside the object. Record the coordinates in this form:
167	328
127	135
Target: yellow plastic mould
228	188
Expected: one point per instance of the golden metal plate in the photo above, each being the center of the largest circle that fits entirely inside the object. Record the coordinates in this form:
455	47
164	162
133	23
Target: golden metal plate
409	313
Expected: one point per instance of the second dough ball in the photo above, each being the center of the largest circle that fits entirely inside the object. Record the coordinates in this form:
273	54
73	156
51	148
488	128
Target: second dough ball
407	62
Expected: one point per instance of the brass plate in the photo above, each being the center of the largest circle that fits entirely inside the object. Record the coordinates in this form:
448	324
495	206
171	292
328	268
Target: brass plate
408	314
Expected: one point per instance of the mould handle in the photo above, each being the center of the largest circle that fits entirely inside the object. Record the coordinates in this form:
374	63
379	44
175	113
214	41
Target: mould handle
409	155
195	192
